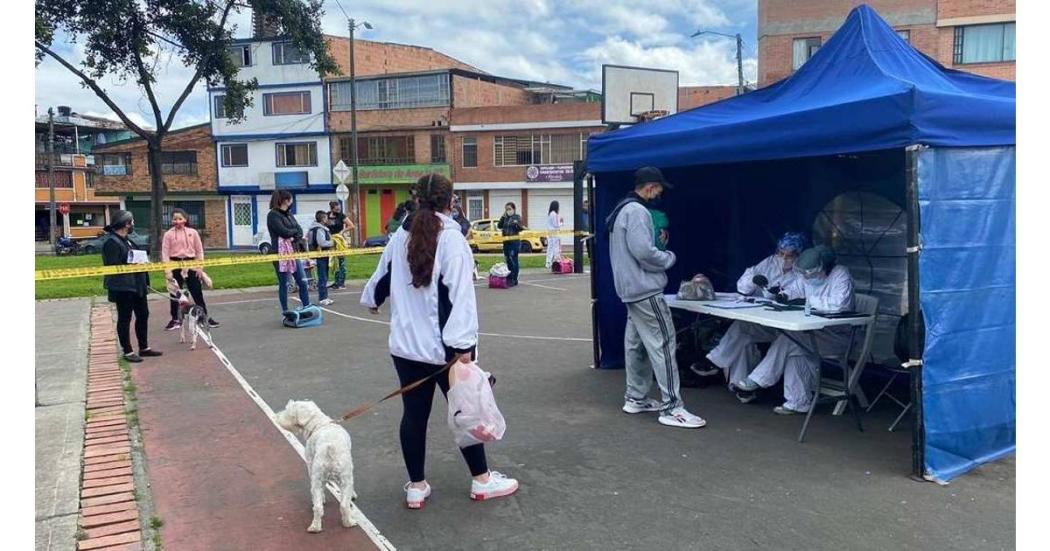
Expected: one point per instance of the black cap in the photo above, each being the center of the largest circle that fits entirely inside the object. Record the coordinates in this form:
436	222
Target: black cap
648	174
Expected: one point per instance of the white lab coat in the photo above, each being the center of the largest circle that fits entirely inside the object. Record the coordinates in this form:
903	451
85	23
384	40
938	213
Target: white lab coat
772	268
796	364
554	223
737	353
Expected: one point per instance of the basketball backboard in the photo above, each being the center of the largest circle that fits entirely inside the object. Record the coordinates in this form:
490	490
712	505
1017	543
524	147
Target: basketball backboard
628	92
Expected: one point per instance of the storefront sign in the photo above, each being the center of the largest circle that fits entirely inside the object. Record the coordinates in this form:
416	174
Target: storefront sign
549	173
397	174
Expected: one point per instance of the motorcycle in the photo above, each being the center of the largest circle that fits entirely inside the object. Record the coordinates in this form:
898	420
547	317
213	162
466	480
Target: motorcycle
66	246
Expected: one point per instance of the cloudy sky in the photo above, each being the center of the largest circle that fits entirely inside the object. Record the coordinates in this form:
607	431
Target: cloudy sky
562	41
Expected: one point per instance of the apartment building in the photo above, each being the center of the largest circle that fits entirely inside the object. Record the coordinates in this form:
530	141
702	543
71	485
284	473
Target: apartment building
74	173
188	165
968	35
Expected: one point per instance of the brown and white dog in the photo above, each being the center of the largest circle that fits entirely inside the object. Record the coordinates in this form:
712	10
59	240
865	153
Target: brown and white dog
194	320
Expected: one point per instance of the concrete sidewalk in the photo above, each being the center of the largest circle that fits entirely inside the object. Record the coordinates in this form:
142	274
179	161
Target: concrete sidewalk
61	373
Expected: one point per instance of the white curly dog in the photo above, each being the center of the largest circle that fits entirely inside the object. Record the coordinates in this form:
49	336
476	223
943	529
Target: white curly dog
327	457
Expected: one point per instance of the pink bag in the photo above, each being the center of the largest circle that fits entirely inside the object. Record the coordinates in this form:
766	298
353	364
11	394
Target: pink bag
497	282
562	266
284	246
473	416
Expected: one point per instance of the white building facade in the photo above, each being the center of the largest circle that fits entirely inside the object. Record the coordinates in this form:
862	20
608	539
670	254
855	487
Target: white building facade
281	143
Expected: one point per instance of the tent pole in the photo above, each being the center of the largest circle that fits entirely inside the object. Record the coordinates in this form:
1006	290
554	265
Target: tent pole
595	343
577	216
918	439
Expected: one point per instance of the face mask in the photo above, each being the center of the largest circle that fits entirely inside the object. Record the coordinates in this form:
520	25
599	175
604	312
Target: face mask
180	223
816	282
510	213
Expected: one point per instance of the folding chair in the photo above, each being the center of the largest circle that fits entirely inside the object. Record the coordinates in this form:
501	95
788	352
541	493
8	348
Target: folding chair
901	350
896	371
844	390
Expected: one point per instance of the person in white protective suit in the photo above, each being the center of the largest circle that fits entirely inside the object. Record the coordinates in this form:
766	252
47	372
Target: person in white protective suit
737	352
827	287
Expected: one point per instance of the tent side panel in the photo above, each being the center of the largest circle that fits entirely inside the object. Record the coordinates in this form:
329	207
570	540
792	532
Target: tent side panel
967	290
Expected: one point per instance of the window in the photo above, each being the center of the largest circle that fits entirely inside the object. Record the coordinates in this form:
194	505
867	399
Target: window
89	179
437	149
475	205
539	149
234	154
242	214
284	53
177	162
381	150
220	106
392	93
63	179
88	216
985	43
802	50
241	56
905	35
470	152
114	164
286	103
140	210
297	154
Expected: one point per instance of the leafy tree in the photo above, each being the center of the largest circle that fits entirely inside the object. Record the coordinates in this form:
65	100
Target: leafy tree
127	39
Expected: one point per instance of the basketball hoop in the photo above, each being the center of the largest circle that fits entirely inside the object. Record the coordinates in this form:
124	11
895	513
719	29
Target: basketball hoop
650	115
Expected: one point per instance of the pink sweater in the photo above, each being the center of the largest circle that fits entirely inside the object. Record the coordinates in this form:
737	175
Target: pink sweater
184	243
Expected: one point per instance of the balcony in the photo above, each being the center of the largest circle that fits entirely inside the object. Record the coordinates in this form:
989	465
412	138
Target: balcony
62	159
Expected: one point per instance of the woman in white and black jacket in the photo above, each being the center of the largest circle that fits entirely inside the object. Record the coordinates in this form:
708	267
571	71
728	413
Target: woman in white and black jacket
425	270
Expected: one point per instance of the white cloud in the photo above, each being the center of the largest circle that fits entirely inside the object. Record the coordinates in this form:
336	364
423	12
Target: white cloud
703	63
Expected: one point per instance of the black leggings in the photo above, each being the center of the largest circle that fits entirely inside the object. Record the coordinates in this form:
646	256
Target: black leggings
128	304
196	291
417	404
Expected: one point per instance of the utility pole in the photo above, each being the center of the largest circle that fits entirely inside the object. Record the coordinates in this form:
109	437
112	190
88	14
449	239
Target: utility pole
51	174
355	189
739	65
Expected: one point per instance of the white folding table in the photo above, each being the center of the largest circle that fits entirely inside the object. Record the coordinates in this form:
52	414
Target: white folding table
795	321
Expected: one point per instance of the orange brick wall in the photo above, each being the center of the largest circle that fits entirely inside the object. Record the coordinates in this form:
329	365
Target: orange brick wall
196	139
390	119
695	96
467	92
948	9
527	113
214	233
377	58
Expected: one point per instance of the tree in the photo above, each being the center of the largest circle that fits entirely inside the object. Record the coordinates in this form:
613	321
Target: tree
127	39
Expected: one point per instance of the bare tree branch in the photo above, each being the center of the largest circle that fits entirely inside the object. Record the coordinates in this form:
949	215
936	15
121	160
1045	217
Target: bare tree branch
197	75
144	79
98	91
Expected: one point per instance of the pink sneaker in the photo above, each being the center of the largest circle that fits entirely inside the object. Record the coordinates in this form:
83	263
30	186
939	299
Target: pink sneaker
497	486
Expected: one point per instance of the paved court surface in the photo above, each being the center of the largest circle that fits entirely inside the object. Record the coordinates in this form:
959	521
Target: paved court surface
591	476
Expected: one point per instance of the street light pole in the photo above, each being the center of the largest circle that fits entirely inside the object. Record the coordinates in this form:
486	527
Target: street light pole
739	56
51	173
354	187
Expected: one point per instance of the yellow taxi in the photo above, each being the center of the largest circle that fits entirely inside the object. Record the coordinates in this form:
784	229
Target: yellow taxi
485	235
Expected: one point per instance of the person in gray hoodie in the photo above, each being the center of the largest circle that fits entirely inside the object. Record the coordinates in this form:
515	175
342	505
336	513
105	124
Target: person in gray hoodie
320	239
639	274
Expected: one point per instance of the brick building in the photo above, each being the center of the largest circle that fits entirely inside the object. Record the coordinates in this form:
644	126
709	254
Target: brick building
690	97
74	174
969	35
189	168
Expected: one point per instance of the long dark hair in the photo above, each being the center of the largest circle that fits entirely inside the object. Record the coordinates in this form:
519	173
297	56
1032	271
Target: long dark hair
279	196
185	216
554	207
433	192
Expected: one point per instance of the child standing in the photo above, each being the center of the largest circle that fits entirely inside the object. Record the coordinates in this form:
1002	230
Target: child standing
320	239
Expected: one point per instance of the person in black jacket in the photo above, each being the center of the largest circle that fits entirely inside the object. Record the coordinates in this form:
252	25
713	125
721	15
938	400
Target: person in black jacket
511	225
127	291
283	225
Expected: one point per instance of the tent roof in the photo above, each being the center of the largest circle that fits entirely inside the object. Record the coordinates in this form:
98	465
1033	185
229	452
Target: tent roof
865	89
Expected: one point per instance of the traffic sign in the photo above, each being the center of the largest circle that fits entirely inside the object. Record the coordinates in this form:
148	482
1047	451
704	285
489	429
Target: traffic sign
341	171
342	192
63	208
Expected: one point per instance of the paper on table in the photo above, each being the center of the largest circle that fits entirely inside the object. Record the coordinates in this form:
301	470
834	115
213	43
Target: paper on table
731	304
137	257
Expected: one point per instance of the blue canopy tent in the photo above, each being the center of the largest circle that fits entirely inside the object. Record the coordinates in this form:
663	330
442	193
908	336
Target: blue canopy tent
867	114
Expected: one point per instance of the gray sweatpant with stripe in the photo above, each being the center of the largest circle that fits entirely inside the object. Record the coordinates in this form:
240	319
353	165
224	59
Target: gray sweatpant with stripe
649	347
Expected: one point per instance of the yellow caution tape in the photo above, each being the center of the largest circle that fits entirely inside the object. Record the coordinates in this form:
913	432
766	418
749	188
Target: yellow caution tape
236	260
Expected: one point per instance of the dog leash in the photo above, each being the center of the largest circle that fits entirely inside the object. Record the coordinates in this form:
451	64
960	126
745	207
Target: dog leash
407	388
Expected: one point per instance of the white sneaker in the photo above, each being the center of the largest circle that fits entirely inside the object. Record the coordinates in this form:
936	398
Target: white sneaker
497	486
327	301
784	410
415	498
638	406
679	417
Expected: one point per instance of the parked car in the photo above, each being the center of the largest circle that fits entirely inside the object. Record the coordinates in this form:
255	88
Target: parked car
94	245
262	240
377	241
486	236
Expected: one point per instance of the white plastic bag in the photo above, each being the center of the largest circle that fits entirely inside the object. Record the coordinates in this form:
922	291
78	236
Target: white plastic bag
473	416
499	270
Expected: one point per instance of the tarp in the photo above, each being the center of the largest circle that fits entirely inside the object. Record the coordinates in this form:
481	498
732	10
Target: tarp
865	89
967	289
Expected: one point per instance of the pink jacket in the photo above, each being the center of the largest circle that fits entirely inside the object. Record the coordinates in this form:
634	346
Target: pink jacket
181	243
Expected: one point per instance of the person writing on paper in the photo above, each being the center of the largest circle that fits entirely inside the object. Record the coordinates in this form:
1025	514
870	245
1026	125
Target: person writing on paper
425	271
828	288
737	352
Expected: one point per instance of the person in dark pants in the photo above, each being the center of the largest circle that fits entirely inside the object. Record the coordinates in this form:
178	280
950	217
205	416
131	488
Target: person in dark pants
320	240
127	291
585	225
337	223
283	225
426	272
511	225
182	242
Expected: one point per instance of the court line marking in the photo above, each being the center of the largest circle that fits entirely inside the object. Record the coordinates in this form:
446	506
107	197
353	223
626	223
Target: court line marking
543	286
362	521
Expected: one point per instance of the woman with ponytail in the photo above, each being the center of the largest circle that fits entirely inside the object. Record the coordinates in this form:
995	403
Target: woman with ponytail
425	270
